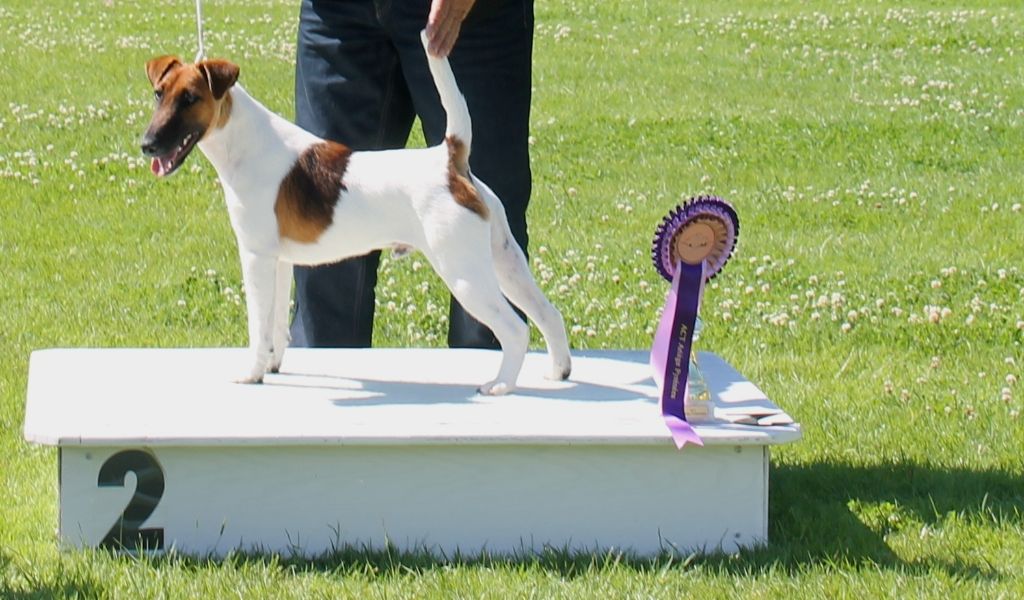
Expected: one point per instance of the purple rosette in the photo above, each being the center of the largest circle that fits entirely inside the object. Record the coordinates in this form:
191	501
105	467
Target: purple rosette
691	246
715	213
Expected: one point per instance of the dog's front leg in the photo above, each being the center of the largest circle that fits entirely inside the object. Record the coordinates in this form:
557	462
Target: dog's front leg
259	272
282	304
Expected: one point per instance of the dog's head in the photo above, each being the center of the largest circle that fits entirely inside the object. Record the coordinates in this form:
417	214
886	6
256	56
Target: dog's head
191	100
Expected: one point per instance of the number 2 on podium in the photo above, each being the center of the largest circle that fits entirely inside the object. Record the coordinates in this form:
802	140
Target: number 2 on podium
127	532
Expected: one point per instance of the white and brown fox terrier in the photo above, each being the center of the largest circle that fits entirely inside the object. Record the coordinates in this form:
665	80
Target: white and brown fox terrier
294	198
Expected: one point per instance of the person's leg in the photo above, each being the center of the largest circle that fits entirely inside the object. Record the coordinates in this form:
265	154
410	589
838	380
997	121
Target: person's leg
349	88
492	62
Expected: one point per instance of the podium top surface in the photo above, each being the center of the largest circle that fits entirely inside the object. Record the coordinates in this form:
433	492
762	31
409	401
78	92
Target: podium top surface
185	397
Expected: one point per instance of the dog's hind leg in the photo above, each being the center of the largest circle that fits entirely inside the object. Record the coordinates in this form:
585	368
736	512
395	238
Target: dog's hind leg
470	277
518	284
282	304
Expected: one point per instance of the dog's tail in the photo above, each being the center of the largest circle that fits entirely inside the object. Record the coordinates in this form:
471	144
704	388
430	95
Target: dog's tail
459	124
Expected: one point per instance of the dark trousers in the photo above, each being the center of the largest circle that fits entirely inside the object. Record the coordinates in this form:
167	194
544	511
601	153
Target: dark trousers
361	77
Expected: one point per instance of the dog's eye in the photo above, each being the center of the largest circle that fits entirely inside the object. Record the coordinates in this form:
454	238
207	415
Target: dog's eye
188	99
158	95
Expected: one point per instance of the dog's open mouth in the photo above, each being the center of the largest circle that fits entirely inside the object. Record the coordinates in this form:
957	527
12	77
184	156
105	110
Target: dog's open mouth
166	164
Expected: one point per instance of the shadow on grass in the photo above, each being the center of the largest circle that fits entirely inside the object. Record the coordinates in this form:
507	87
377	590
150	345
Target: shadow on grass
830	515
840	514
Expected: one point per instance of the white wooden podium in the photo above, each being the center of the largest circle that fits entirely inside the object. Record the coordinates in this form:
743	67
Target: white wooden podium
375	447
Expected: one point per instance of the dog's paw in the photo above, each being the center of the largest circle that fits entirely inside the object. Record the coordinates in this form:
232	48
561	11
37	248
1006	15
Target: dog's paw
559	372
495	388
277	352
250	377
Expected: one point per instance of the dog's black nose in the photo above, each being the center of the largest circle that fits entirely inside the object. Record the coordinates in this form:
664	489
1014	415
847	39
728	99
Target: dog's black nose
149	145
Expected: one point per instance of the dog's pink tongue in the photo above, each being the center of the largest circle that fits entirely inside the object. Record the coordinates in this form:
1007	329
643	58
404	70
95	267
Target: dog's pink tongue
157	166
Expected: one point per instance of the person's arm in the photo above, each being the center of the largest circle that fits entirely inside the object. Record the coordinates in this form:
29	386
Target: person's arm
444	23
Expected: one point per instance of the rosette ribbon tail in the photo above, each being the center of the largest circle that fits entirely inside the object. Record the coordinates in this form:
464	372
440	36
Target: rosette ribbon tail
673	342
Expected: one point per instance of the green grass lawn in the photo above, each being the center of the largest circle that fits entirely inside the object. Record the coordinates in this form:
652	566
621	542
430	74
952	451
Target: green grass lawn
874	151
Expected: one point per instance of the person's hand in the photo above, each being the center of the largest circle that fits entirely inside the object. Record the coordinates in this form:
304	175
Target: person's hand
444	23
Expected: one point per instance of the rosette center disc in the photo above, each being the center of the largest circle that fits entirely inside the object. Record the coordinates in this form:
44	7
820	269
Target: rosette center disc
694	243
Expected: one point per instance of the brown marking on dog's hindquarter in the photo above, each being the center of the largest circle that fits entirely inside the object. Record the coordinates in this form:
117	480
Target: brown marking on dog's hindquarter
458	154
308	194
462	189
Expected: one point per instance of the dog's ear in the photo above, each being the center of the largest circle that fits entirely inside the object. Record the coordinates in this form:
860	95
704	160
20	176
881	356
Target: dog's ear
219	74
160	66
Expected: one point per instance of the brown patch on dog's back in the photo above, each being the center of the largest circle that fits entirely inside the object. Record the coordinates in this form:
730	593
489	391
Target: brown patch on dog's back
458	178
308	194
